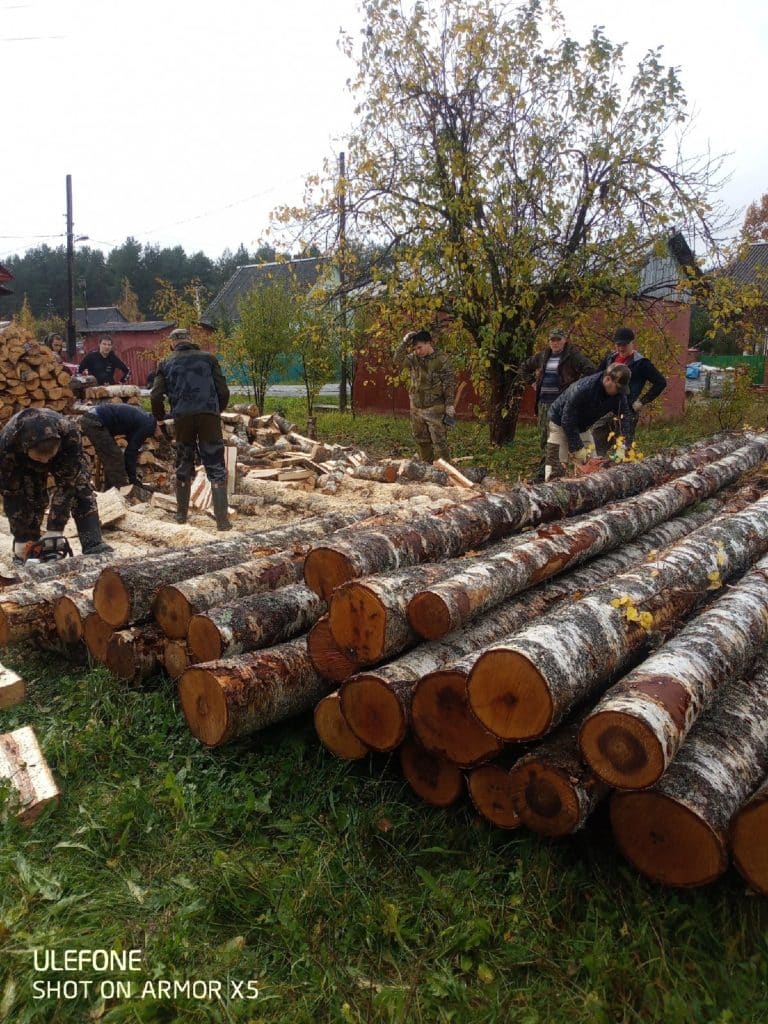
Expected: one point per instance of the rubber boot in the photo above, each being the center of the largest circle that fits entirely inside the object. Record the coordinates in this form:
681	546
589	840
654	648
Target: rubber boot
182	500
553	468
89	532
426	452
219	495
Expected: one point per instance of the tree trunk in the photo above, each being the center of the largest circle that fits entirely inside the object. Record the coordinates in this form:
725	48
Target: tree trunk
503	401
640	724
440	702
174	605
97	633
135	654
484	582
412	470
176	658
676	833
383	473
70	613
23	766
333	731
749	840
330	661
225	700
27	609
167	534
460	528
522	688
437	782
13	689
258	621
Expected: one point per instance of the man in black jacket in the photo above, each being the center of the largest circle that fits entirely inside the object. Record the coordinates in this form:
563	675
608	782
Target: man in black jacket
643	372
198	394
103	424
102	364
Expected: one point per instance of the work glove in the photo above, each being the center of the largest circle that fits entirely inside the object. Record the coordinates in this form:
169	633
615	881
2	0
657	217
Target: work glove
637	405
19	548
449	419
580	457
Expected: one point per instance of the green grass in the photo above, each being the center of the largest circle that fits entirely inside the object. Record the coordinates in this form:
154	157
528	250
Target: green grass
343	896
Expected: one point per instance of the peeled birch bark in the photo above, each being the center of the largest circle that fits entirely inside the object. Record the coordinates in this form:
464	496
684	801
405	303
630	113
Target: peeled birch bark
70	613
97	633
522	688
487	581
13	689
437	782
639	725
749	840
552	791
260	620
176	658
459	528
135	654
676	832
23	765
225	700
330	660
333	731
175	604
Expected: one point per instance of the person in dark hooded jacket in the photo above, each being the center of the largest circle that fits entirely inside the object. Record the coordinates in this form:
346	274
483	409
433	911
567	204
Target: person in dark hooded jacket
643	373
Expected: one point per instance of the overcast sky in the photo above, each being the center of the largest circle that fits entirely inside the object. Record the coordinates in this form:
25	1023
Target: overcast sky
186	123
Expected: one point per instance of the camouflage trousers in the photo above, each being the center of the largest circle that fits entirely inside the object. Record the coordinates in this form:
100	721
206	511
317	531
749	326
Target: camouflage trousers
202	433
430	433
26	503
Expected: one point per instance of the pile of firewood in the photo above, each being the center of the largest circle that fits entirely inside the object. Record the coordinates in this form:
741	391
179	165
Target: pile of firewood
30	375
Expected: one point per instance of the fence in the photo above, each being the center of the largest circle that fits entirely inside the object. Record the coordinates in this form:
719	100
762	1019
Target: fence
755	363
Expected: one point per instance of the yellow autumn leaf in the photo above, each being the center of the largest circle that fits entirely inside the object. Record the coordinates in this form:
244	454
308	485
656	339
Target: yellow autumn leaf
632	614
646	620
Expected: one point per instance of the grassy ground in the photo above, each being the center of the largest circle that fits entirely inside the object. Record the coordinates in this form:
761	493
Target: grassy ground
328	884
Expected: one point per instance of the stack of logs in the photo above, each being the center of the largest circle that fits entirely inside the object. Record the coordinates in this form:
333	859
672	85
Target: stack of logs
446	636
30	375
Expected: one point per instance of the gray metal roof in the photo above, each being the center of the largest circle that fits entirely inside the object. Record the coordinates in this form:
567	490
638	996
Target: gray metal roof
302	273
124	327
94	317
752	268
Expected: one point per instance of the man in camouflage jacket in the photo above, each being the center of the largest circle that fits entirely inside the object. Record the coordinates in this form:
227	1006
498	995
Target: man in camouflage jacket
431	390
36	444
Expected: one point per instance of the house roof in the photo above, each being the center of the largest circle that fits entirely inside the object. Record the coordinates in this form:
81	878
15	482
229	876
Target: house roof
5	274
752	267
124	327
302	273
95	317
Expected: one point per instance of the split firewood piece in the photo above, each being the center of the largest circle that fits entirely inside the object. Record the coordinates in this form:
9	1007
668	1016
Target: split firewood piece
176	658
749	840
256	621
97	634
200	494
435	781
553	792
486	581
330	660
521	688
454	475
225	700
334	733
638	727
13	689
676	832
23	765
468	525
70	613
136	653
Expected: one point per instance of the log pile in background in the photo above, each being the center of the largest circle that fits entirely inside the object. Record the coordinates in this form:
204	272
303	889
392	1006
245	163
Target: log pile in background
30	375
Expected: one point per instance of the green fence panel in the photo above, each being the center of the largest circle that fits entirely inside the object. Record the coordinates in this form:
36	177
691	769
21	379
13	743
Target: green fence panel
755	363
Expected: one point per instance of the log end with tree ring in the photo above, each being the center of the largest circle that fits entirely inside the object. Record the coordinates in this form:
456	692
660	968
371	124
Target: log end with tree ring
749	844
665	841
330	660
429	616
172	612
96	633
490	789
5	629
443	723
175	658
111	598
621	750
333	731
68	621
373	712
509	695
204	639
545	799
204	705
325	570
436	781
358	622
120	657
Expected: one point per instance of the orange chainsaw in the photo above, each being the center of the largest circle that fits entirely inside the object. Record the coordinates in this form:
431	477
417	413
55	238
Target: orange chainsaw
593	465
47	549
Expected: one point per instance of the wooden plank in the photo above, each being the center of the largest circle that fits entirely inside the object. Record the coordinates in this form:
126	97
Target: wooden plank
453	474
23	765
13	689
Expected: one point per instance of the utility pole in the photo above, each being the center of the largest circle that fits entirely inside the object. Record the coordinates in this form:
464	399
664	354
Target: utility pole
342	295
70	275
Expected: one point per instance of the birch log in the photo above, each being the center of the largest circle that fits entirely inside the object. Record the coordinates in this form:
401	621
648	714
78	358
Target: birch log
135	654
522	688
258	621
228	699
490	790
436	781
749	840
28	608
330	660
22	765
70	613
638	727
334	733
176	658
486	581
676	832
459	528
97	633
13	689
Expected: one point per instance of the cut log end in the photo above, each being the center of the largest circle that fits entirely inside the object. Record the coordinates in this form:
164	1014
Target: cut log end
444	724
434	780
204	706
490	790
333	731
96	633
172	612
665	841
357	621
204	639
330	661
545	799
325	570
111	599
175	658
621	750
68	621
429	615
5	629
749	844
509	696
373	712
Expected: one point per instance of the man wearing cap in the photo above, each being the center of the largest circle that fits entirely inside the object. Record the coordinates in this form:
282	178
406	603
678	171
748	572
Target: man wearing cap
198	394
431	390
643	372
102	424
552	370
102	364
573	413
34	444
